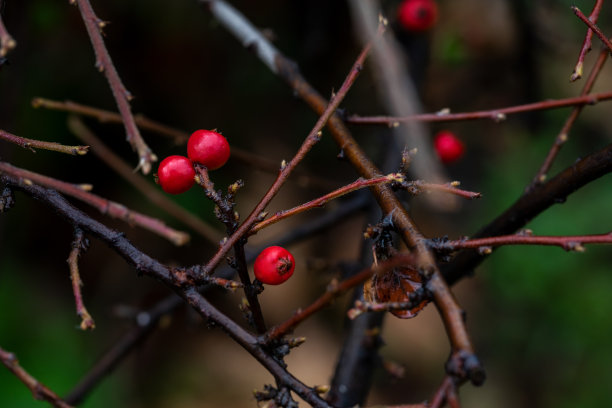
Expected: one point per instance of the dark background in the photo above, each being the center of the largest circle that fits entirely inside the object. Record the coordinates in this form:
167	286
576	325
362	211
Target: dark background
538	315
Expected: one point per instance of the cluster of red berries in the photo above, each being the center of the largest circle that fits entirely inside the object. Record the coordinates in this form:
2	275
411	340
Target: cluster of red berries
417	15
176	175
448	147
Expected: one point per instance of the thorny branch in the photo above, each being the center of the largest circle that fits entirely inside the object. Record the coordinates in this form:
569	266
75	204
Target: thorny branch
586	45
33	144
105	64
79	244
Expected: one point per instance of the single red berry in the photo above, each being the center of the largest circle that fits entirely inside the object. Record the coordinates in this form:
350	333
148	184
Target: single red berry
175	174
448	147
208	148
274	265
417	15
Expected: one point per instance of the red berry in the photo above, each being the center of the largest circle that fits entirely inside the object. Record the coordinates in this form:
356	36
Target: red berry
448	147
274	265
175	174
208	148
417	15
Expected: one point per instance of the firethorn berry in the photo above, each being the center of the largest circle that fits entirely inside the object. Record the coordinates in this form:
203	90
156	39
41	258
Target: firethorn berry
175	174
417	15
448	147
208	148
274	265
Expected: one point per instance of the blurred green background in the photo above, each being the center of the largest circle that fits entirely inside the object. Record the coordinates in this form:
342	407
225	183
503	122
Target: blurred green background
538	315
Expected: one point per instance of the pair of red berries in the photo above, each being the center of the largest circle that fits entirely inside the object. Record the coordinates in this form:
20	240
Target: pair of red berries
448	147
417	15
176	175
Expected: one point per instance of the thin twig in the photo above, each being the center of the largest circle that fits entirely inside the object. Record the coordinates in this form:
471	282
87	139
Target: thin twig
141	184
568	243
496	115
419	186
33	144
586	44
39	391
79	244
321	201
591	24
105	64
563	135
107	207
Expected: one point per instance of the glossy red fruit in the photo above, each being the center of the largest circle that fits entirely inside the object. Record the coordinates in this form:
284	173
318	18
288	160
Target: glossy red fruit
448	147
175	174
274	265
417	15
208	148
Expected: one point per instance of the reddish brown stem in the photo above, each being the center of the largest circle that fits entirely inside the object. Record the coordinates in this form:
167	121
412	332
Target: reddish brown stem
419	186
321	201
287	167
563	135
586	44
33	144
39	391
105	64
79	243
593	27
494	114
103	205
569	243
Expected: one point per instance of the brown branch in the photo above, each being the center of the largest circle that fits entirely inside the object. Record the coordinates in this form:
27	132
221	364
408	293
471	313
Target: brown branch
568	243
79	244
39	391
151	192
563	135
586	44
7	42
496	115
591	24
105	64
419	186
33	144
180	137
321	201
107	207
287	167
105	116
